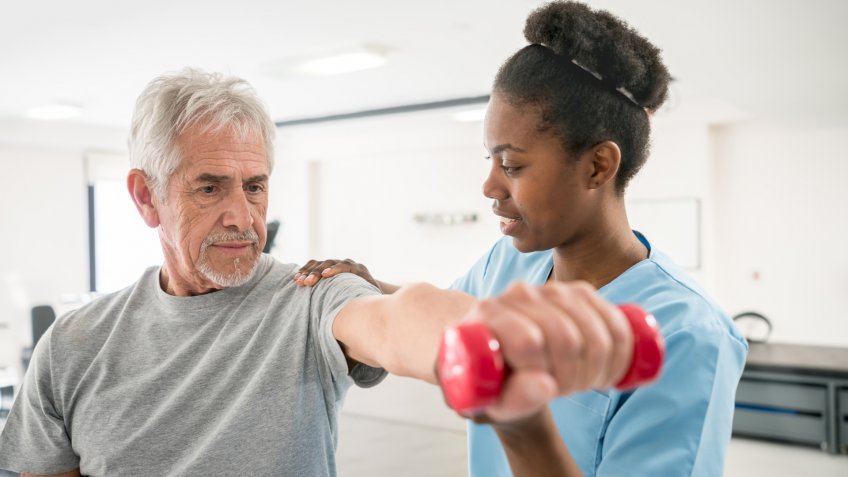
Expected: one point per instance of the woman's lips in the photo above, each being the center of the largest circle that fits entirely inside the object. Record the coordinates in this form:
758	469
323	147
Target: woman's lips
508	225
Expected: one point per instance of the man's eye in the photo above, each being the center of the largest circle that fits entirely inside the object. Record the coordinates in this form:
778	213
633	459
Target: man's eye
208	189
255	188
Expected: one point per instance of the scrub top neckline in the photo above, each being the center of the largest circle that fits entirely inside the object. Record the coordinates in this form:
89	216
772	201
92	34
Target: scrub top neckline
639	235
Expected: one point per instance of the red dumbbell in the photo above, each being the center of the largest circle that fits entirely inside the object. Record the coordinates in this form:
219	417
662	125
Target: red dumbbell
472	369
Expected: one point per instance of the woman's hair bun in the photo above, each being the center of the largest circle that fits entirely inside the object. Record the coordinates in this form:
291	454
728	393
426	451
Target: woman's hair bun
604	44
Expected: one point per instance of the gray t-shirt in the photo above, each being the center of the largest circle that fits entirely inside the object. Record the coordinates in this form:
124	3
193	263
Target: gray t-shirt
248	380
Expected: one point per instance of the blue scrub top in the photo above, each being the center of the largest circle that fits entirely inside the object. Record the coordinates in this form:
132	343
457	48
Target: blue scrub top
679	425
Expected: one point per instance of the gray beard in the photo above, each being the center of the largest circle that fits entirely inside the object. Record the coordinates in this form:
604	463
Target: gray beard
236	277
226	280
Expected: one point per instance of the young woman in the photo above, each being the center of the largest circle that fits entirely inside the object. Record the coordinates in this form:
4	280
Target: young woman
567	127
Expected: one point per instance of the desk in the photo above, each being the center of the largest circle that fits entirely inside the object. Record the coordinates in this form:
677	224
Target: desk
795	393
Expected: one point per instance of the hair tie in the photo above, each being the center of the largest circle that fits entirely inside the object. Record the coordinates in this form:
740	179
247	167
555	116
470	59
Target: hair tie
608	83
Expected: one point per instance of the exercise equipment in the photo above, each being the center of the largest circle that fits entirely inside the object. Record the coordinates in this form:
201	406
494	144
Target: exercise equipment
471	368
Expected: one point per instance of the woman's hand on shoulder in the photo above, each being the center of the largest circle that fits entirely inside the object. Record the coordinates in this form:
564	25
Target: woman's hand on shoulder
315	270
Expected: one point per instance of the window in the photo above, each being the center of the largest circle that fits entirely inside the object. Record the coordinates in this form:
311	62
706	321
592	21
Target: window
122	245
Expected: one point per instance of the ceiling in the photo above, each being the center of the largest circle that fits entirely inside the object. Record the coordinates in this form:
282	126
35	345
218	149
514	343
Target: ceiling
774	60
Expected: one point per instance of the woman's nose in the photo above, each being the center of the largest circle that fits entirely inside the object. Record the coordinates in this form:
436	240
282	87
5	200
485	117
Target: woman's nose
493	186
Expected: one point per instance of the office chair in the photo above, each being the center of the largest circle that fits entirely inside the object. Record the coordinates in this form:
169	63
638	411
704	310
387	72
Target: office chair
273	228
42	317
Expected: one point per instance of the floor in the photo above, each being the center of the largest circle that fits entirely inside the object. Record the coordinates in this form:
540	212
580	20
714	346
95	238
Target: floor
401	428
376	448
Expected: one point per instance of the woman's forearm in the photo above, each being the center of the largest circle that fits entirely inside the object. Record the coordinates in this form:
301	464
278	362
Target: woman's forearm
534	447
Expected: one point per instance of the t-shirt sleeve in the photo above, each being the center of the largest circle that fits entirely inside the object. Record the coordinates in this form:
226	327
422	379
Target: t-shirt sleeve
34	439
680	425
328	298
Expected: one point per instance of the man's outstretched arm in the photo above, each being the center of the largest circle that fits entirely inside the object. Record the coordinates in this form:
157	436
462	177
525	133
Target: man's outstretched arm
400	332
558	339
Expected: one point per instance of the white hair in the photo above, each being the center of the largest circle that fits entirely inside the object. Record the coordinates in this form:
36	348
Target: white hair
170	104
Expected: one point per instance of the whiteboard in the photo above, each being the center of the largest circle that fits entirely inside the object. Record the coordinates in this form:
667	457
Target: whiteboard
672	225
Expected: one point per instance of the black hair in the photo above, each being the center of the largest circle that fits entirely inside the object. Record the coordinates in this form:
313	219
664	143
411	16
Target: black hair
571	45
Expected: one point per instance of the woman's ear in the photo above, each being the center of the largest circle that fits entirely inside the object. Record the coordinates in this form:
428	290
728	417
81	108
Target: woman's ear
142	196
605	161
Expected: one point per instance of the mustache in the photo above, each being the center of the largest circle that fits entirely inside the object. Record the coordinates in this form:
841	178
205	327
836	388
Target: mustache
248	235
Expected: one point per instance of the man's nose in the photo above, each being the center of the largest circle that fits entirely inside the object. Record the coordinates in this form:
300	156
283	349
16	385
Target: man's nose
239	211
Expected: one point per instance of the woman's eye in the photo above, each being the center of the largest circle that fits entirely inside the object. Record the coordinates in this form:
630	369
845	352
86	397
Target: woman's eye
510	170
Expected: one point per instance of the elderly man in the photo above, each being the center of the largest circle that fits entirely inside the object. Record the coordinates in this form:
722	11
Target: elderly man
217	363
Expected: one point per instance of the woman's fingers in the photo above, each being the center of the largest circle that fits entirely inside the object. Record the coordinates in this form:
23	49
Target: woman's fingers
597	343
622	337
557	339
524	394
314	270
561	340
311	273
521	340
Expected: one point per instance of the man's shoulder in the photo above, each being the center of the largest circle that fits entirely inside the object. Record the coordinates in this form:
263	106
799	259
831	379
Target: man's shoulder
271	265
345	285
271	270
275	287
84	324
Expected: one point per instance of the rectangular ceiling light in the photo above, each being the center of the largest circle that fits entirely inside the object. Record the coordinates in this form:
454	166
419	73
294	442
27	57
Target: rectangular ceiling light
341	63
51	112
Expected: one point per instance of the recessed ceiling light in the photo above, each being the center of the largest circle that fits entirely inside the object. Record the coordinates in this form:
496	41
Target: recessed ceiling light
326	62
469	115
52	112
341	63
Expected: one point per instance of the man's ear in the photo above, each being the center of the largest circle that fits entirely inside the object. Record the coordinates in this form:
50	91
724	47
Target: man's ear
605	159
142	196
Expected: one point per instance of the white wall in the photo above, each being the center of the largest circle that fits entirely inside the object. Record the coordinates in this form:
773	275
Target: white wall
782	224
350	189
772	197
361	182
679	167
44	219
43	212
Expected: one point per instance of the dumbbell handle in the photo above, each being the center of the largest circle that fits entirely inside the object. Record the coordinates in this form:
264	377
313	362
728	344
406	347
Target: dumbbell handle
471	368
